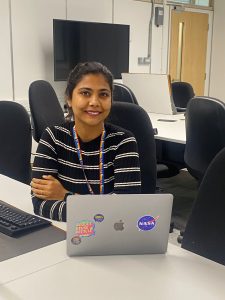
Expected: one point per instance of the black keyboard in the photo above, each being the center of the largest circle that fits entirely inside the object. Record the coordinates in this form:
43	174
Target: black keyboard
15	222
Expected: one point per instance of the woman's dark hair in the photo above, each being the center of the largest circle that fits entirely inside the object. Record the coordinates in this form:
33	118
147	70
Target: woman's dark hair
82	69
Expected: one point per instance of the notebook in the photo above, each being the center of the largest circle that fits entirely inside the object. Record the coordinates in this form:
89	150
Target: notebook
153	92
118	224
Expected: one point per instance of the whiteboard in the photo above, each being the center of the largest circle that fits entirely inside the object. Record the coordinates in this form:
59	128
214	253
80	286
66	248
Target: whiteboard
153	91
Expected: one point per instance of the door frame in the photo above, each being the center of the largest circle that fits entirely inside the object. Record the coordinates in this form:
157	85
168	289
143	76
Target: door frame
209	42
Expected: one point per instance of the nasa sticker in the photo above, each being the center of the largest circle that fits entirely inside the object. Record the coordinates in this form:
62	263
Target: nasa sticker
146	223
99	218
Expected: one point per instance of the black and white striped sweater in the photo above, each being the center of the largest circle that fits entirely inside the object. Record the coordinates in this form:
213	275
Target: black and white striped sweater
57	156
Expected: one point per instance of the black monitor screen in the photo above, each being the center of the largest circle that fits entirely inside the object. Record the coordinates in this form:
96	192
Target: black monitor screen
76	42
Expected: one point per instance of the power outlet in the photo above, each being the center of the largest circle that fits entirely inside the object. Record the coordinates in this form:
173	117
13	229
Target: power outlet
144	60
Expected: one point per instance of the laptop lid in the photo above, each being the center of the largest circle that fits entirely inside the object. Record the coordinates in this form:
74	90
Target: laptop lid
118	224
153	91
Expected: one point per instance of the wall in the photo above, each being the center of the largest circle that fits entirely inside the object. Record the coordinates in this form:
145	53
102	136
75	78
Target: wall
137	15
27	54
27	35
5	57
217	78
32	42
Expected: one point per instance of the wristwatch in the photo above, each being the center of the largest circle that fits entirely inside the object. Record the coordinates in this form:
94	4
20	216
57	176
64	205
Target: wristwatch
67	194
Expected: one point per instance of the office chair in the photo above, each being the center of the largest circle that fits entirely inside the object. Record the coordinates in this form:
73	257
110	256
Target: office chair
165	168
122	93
205	230
205	133
44	107
182	92
15	141
135	119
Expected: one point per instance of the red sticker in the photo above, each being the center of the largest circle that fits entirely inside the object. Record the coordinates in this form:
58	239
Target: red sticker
85	228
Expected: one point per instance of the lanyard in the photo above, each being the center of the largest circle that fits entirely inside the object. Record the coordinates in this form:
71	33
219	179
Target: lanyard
101	160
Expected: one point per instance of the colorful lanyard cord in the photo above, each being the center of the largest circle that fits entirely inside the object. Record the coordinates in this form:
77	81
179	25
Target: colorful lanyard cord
101	160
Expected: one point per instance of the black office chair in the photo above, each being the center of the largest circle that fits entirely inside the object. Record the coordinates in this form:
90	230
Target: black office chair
182	92
135	119
205	230
205	133
122	93
44	106
15	141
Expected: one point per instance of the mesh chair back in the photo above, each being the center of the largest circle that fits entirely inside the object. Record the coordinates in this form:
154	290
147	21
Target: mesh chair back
135	119
182	93
44	106
15	141
205	133
122	93
204	233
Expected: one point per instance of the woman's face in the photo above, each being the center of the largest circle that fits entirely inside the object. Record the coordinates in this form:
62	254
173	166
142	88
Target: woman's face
91	100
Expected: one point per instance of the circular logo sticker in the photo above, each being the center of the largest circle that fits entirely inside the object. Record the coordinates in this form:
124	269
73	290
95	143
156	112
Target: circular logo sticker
76	240
99	218
146	223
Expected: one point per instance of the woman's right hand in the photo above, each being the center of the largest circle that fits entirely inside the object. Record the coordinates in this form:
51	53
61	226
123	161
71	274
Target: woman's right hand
48	188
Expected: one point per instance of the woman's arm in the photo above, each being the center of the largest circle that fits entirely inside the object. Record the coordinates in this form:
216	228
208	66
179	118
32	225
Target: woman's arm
47	191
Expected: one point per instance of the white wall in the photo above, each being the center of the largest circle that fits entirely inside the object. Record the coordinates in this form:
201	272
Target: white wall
217	78
31	57
5	57
32	39
32	35
137	15
89	10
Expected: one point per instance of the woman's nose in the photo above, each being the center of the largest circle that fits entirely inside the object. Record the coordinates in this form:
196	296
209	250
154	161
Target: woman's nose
94	100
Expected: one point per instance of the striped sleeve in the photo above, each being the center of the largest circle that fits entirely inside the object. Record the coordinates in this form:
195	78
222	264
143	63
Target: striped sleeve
45	163
127	167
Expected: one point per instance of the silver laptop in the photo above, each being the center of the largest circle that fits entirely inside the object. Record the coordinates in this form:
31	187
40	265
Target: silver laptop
153	92
118	224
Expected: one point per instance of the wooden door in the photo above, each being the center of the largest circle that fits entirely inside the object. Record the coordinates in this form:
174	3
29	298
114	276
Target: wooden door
188	47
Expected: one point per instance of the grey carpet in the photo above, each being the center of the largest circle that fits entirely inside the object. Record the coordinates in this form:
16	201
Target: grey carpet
184	189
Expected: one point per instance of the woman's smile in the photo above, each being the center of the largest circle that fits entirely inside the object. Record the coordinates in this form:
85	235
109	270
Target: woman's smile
93	112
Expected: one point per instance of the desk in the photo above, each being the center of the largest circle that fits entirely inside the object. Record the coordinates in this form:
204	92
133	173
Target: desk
169	131
48	273
176	275
19	195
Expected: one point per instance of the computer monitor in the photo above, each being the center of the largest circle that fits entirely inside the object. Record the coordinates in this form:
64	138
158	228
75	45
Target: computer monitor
77	41
153	91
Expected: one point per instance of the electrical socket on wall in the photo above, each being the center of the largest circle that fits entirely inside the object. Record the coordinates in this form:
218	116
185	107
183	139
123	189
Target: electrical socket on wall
144	60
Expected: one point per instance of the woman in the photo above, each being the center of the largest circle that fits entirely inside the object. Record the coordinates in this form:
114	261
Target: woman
88	157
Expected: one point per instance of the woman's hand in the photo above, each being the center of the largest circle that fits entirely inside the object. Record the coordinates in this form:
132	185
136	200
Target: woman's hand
48	188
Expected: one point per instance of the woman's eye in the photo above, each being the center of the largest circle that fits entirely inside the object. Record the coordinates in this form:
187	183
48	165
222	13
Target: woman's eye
85	93
104	95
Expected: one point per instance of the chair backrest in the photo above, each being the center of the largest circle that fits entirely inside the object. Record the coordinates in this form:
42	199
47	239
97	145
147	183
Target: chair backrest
182	93
123	93
205	133
44	106
15	141
135	119
204	233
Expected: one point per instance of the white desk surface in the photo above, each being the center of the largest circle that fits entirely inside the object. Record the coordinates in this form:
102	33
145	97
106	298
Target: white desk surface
169	131
48	273
19	195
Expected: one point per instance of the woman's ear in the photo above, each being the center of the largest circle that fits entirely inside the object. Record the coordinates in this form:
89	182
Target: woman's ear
69	102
